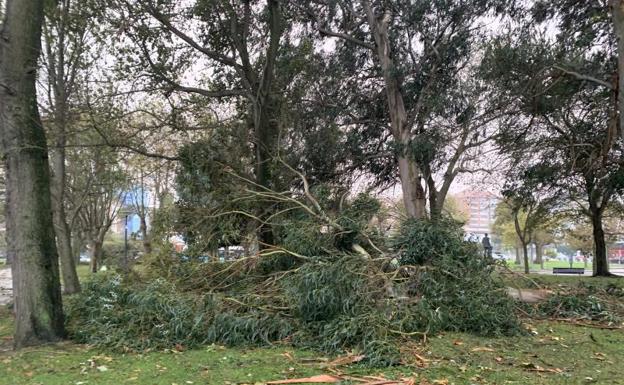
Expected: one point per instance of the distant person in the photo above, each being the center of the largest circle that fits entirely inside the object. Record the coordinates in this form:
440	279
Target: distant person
571	260
487	246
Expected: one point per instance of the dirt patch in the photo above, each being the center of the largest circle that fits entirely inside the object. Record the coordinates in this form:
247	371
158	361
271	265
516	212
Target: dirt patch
528	295
6	286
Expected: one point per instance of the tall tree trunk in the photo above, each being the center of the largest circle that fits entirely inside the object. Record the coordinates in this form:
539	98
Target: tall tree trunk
265	117
600	245
617	10
539	257
62	229
56	68
78	243
524	240
36	284
413	192
525	253
147	244
410	173
66	255
95	251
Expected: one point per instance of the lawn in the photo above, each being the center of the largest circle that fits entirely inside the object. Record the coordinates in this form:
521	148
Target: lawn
533	280
548	265
554	353
551	353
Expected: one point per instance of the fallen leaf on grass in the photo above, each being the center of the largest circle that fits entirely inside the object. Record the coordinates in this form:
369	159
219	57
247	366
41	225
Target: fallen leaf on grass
288	355
346	360
102	368
600	356
458	342
323	378
498	359
442	381
536	368
422	361
482	349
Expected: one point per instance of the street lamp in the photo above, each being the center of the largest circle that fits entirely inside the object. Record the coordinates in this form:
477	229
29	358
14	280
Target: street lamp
126	242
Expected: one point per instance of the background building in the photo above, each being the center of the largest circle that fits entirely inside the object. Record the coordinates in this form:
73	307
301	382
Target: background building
479	207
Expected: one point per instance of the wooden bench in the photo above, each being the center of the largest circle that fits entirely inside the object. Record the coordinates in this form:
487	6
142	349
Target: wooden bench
568	270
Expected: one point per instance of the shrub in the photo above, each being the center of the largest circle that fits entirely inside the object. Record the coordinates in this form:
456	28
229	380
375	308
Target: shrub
576	305
332	303
420	241
108	313
453	280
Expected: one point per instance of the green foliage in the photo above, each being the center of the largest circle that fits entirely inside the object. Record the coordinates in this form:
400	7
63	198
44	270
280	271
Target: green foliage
113	250
253	328
420	241
332	303
326	289
581	303
455	286
109	313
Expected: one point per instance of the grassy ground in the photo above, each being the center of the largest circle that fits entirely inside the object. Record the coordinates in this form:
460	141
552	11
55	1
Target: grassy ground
554	353
550	264
533	280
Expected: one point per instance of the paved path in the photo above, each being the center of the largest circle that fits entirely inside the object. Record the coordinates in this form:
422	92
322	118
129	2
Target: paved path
588	271
6	287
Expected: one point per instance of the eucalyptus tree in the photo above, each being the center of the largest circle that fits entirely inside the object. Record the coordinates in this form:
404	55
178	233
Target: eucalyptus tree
30	231
408	64
567	135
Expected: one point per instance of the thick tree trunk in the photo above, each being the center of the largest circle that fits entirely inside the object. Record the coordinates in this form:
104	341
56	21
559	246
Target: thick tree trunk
265	122
413	193
539	258
409	171
36	284
600	245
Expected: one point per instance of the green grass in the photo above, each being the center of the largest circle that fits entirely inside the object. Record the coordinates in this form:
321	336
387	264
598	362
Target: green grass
522	280
550	264
556	354
83	272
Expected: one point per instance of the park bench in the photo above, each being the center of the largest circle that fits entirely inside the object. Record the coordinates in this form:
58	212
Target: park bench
568	270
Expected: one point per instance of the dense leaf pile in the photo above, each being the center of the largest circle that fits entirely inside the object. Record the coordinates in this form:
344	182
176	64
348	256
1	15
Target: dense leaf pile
583	302
331	303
